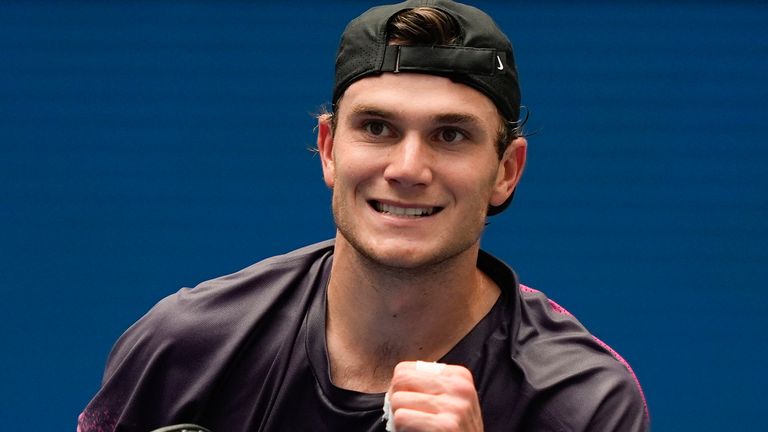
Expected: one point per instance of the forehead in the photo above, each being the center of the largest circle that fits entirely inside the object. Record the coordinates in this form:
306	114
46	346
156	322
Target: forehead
418	96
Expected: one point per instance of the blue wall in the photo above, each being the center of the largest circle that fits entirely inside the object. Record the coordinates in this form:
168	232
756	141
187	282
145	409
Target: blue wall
146	146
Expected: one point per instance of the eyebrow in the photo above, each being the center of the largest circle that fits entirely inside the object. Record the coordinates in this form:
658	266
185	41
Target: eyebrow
456	118
444	118
364	110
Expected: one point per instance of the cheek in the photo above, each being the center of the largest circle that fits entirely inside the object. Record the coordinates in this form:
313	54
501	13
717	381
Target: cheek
478	179
358	162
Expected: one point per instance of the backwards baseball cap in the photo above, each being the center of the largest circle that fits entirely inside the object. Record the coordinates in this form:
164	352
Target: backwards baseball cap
481	58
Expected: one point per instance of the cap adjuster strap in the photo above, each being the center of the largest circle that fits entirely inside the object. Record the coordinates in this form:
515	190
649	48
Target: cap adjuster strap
446	59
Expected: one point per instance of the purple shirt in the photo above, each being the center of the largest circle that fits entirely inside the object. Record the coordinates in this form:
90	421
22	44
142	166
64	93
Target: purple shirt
246	352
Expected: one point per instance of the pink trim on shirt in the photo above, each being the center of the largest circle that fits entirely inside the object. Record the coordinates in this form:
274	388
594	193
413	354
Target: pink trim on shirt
561	310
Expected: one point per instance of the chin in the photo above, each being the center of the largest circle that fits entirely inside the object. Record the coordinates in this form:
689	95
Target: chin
403	257
399	261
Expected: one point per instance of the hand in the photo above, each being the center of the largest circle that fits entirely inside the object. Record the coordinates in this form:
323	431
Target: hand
434	397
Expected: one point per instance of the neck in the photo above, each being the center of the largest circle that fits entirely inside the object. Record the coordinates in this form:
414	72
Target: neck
380	316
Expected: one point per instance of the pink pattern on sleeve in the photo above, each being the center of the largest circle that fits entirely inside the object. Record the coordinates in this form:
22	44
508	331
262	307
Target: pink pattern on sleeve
561	310
88	421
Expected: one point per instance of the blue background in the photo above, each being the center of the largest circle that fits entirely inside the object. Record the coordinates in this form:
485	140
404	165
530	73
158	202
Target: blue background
146	146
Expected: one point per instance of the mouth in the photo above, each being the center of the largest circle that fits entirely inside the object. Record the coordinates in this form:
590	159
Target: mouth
405	212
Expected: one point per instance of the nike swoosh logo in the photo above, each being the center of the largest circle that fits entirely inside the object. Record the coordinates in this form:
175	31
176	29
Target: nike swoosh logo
500	66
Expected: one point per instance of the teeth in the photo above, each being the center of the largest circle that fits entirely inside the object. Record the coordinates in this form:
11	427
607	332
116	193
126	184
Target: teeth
403	211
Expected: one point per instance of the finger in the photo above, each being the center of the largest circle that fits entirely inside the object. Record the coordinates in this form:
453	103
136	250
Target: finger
429	377
417	381
418	401
461	405
430	367
407	420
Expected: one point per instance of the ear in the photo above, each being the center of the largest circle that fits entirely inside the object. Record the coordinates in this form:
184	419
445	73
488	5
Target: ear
510	170
325	148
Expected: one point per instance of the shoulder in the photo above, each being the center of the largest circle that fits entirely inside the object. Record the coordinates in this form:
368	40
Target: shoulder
167	364
579	380
193	321
269	274
249	287
572	381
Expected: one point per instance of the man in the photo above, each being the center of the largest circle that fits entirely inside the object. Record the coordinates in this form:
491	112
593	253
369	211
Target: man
401	323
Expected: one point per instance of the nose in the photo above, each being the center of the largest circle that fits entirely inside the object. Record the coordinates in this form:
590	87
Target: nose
409	163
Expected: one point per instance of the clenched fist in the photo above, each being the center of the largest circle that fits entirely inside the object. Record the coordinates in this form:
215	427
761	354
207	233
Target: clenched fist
433	397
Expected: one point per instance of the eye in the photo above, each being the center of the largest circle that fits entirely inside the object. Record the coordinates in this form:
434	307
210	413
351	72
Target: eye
451	135
376	128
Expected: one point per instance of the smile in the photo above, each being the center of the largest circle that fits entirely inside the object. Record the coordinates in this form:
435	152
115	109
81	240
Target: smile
408	212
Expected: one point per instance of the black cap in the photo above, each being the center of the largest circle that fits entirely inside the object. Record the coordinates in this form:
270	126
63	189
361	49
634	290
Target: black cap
481	58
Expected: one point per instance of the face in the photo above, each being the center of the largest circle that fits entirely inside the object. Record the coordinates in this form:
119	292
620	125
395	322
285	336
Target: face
413	166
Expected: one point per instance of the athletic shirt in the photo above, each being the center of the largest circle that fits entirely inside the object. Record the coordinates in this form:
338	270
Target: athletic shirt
247	352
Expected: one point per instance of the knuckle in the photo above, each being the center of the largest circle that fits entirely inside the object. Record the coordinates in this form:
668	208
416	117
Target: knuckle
466	374
461	388
464	407
400	367
458	406
397	400
465	389
399	381
449	423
